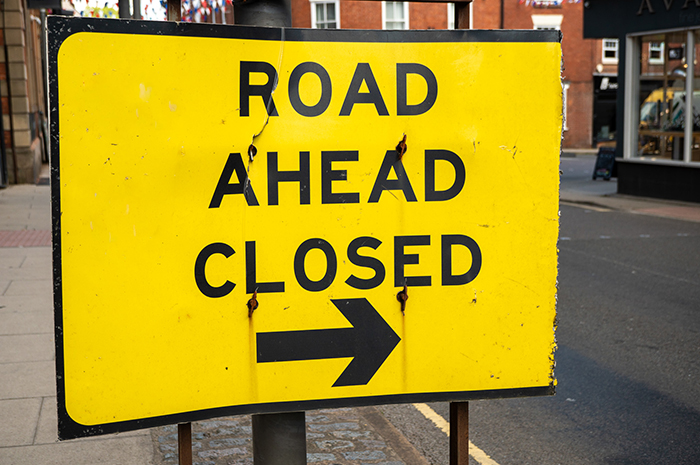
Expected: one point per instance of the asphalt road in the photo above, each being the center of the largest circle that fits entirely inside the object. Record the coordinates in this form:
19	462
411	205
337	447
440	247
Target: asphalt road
628	361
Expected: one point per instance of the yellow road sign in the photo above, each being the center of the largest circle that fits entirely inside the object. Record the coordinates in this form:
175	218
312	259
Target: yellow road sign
238	212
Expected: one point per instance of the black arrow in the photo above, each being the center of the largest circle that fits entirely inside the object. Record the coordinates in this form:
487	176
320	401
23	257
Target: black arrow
369	341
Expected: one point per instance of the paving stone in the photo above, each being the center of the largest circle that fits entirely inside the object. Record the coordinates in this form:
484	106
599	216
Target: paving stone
27	379
351	434
334	427
26	348
19	418
334	444
17	322
29	287
372	443
134	450
364	455
216	453
317	418
312	458
227	442
20	303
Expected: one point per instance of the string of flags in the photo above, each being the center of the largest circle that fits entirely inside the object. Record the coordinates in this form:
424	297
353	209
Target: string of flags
196	11
199	11
545	3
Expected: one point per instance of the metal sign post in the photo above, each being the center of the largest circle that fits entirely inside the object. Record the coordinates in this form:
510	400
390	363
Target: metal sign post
278	438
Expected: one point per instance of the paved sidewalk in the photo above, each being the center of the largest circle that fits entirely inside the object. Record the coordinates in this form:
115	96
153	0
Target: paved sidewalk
603	194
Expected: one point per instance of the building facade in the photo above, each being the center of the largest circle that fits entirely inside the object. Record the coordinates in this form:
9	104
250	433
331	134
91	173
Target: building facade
23	147
348	14
589	71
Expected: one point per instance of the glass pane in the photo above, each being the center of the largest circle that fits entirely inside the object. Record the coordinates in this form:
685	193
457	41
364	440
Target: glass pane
398	11
389	11
320	14
330	12
662	97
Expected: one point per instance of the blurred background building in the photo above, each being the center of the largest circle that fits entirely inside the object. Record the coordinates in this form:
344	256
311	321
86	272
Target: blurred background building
589	69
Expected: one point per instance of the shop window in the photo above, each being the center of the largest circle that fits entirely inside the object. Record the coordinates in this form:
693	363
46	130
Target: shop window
551	22
610	48
395	15
324	15
656	53
668	122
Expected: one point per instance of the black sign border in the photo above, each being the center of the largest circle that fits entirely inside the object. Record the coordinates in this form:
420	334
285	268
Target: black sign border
61	28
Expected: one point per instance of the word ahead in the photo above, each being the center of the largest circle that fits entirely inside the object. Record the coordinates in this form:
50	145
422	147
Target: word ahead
369	341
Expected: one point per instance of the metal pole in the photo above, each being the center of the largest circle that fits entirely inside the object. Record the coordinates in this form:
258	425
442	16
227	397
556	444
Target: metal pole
270	13
689	91
279	439
174	10
137	9
3	154
462	15
124	9
184	443
15	168
503	15
459	433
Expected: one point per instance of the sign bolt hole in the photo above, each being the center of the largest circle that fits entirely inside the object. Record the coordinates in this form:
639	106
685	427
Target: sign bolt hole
252	151
402	297
401	148
252	304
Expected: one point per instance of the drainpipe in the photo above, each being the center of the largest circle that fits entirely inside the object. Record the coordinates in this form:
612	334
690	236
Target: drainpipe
270	13
15	169
503	15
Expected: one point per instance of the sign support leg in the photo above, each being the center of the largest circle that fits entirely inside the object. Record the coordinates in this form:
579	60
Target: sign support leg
174	10
184	443
459	433
462	15
279	439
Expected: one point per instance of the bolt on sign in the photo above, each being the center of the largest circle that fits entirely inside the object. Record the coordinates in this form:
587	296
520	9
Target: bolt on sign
252	220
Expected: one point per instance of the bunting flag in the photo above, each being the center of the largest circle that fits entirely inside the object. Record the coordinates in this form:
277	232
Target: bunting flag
546	3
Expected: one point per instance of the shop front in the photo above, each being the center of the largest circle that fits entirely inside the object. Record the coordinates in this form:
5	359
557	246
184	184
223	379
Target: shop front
658	109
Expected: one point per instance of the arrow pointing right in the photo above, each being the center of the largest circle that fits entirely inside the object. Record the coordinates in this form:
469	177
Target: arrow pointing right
369	342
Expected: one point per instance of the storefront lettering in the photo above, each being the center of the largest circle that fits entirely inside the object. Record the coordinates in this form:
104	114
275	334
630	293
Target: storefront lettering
646	5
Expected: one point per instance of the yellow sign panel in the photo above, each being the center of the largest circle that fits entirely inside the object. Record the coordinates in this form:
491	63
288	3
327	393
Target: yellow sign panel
240	214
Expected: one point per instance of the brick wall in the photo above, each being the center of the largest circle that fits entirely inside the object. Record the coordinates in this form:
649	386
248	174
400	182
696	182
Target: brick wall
360	15
428	15
368	15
